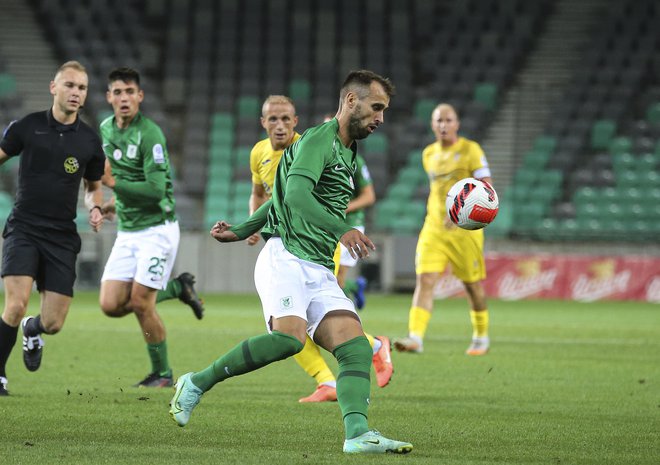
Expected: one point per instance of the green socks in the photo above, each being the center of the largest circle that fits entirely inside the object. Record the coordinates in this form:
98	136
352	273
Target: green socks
353	384
350	287
249	355
158	356
172	291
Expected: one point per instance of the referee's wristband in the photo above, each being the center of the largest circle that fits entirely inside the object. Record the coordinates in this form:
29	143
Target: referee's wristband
94	207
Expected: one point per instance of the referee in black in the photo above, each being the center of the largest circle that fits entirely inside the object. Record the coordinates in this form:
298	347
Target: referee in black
41	242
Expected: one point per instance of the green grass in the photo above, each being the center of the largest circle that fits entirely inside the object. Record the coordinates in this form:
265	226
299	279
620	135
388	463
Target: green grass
565	383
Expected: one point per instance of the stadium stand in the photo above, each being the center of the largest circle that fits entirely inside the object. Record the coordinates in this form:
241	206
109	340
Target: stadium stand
598	173
208	65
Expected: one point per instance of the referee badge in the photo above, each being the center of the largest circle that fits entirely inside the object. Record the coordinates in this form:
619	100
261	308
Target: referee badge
71	165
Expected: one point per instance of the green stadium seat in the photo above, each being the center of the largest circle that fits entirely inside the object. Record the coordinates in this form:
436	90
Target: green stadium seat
653	113
536	159
376	143
546	144
543	193
8	85
585	194
629	178
405	225
412	175
222	120
248	106
602	133
221	137
242	156
402	191
414	158
218	190
551	178
620	145
386	210
417	210
220	171
486	94
300	90
646	162
424	108
623	161
220	154
242	189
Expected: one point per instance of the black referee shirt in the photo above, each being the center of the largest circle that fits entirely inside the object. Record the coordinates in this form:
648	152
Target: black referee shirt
54	159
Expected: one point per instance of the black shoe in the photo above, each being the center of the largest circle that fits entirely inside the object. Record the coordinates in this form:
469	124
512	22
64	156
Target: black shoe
156	380
189	296
3	386
32	347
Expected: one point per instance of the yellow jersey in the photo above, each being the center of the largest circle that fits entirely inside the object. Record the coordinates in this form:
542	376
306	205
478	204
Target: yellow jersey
445	166
264	161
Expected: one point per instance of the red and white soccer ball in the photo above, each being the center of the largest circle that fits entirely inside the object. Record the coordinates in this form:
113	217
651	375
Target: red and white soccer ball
472	204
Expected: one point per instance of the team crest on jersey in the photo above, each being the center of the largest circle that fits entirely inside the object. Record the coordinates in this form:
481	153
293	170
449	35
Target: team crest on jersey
116	154
71	165
159	155
131	151
286	302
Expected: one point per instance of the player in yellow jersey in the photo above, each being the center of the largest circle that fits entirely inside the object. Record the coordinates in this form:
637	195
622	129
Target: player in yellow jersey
446	161
279	120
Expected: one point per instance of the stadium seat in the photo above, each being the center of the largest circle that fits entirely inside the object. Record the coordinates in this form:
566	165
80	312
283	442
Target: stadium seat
486	94
620	145
376	143
602	133
248	107
653	113
424	108
300	90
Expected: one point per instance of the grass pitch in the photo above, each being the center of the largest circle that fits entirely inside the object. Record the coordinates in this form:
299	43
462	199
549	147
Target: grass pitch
565	383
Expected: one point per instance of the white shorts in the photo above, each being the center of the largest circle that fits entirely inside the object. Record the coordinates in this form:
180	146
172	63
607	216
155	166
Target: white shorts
290	286
145	256
345	258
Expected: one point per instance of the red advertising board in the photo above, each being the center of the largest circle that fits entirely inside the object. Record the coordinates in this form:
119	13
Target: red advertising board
570	277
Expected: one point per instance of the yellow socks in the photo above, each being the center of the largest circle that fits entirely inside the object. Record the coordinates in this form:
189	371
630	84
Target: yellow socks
479	323
313	363
418	321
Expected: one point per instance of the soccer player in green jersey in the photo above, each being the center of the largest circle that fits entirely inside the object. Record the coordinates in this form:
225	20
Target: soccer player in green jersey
304	220
141	261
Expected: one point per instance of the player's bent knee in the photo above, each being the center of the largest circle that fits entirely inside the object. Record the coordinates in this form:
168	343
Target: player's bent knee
289	345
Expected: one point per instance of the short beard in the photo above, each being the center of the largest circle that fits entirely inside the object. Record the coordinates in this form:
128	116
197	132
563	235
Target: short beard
355	130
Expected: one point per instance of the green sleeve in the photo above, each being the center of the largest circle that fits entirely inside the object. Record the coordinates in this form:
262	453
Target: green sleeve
153	188
254	223
300	200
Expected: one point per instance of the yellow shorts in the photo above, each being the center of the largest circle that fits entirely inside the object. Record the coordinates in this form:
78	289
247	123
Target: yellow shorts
336	258
464	250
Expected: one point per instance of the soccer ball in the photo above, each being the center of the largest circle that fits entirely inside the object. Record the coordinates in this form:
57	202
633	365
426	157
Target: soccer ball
472	204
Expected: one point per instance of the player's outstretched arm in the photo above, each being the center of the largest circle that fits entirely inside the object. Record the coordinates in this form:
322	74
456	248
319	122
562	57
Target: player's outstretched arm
224	232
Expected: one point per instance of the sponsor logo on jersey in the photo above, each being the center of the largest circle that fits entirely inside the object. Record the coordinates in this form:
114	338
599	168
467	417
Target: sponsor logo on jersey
286	302
159	155
131	151
71	165
116	154
265	162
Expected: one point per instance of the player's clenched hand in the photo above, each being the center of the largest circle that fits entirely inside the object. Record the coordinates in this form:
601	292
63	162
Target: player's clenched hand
221	233
253	239
95	219
358	244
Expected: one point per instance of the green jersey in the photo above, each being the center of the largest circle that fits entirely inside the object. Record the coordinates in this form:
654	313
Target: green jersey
144	196
320	156
362	180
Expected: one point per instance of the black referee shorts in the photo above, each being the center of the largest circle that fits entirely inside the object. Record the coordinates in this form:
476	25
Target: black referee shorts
53	267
